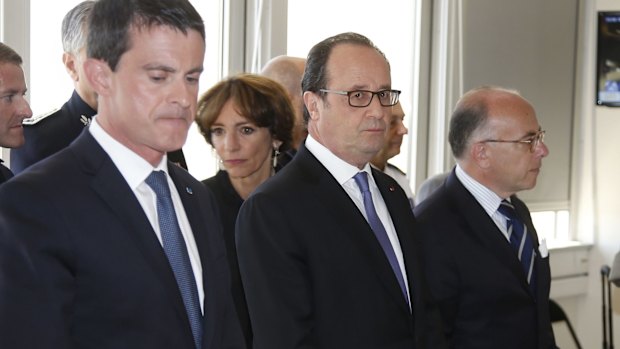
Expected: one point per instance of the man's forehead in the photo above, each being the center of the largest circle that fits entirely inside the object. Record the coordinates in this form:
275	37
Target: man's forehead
397	111
518	122
514	107
357	65
11	73
146	40
354	54
9	67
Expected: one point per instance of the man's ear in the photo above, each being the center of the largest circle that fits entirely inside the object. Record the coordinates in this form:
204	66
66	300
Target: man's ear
69	60
479	152
311	100
99	75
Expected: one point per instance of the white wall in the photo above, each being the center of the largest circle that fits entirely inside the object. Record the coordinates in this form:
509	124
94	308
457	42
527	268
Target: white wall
596	189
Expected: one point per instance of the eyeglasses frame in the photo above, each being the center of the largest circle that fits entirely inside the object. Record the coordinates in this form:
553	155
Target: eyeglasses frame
348	94
533	141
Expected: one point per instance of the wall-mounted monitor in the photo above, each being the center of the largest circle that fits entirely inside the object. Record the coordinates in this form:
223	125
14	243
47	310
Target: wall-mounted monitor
608	59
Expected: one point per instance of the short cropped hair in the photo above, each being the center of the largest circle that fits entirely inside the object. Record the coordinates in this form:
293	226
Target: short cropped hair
74	30
8	55
259	99
112	20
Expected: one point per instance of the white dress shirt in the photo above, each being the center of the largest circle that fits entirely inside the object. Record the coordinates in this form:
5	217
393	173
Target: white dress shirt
486	198
343	172
135	170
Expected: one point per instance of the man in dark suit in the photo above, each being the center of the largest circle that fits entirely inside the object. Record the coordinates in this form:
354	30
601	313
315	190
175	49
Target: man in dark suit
14	107
393	140
316	274
50	132
53	131
482	257
106	244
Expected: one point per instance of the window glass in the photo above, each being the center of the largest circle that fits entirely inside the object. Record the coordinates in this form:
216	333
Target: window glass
552	225
50	85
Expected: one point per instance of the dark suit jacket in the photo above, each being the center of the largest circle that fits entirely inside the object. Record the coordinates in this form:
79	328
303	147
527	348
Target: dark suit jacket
5	173
49	133
314	274
477	278
80	265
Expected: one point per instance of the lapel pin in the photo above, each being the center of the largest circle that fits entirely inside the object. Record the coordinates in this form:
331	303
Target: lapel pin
392	188
189	190
84	120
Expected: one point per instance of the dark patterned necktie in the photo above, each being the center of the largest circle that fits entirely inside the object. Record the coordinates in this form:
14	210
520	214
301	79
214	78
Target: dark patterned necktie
377	227
520	240
176	251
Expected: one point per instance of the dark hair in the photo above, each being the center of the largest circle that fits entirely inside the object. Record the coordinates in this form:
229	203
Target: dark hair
74	30
259	99
466	119
8	55
315	75
112	20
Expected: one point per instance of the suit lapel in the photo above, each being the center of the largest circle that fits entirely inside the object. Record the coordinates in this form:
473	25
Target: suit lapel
202	214
113	190
192	210
483	229
402	218
5	173
350	220
199	227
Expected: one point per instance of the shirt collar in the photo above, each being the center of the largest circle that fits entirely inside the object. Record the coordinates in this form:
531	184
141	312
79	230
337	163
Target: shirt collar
485	196
132	166
340	169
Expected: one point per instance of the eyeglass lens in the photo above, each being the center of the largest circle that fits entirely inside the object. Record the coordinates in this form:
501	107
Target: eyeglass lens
539	138
364	98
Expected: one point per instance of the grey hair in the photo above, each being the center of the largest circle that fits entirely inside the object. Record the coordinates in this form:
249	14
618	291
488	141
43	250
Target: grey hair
75	26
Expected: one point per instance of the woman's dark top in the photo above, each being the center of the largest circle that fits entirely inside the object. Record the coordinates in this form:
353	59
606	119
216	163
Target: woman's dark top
229	203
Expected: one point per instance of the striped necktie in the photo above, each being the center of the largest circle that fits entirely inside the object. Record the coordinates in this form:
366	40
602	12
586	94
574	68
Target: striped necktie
520	240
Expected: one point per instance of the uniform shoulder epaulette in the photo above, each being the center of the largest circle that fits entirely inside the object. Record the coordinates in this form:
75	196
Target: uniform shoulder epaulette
36	119
396	168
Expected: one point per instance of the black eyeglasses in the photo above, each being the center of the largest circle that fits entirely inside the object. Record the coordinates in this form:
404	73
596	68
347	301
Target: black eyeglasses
533	141
363	98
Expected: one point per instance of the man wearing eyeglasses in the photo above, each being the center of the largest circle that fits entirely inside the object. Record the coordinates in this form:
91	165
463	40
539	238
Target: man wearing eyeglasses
482	257
326	248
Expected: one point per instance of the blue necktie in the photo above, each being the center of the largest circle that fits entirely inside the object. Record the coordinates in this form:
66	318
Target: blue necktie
176	251
520	240
377	227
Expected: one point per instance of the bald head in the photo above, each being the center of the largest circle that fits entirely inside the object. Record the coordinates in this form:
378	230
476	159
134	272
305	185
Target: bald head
472	112
497	139
288	71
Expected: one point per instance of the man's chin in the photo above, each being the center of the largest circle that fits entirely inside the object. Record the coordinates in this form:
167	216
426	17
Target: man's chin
13	142
173	144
